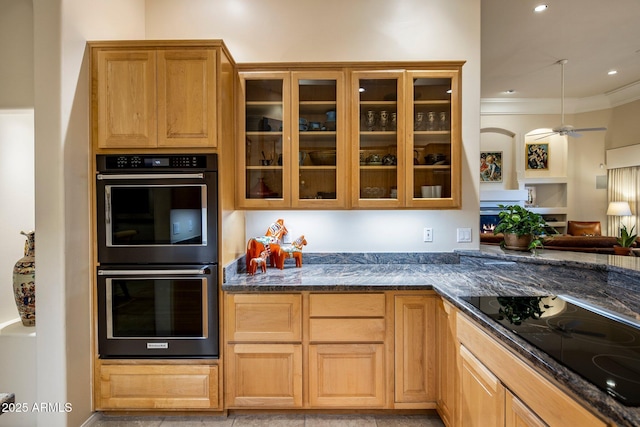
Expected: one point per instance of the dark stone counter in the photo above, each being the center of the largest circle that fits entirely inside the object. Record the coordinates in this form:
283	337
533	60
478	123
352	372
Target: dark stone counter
607	281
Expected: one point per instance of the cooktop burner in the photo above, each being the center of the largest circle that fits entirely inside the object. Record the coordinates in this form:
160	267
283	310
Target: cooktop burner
602	349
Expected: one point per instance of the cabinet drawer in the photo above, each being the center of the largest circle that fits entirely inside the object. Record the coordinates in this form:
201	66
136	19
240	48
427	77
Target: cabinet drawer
158	387
265	318
346	330
346	305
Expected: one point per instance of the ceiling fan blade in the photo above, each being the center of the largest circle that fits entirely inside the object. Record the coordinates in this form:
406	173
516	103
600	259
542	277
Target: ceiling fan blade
544	135
574	134
588	129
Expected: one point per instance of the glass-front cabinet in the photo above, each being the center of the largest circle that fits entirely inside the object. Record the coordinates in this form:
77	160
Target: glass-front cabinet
433	139
342	136
265	149
293	152
377	139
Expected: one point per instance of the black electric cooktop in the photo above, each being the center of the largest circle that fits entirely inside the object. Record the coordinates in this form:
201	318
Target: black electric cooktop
602	349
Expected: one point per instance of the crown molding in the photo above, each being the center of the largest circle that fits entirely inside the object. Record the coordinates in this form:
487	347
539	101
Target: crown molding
613	98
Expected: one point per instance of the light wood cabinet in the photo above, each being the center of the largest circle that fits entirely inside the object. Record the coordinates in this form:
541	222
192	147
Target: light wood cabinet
518	415
415	350
407	124
264	350
482	393
346	375
485	363
447	367
292	136
148	96
264	375
347	350
349	135
156	386
319	350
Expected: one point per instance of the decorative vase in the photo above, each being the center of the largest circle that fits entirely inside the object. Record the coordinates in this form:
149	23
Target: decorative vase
517	243
24	282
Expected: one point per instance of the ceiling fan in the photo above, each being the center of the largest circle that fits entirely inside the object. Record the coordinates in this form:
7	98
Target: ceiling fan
565	129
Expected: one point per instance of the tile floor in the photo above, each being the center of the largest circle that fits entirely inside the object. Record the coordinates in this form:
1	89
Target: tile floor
276	420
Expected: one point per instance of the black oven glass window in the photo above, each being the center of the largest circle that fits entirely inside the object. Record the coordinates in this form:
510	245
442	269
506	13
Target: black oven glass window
157	215
156	308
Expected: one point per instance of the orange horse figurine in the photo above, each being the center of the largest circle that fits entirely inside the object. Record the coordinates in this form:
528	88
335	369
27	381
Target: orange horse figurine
294	250
270	242
258	261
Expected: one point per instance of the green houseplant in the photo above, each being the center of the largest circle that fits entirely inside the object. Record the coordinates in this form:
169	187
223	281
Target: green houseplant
625	240
522	228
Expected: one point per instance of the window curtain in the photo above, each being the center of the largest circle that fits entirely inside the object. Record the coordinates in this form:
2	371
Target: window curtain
624	186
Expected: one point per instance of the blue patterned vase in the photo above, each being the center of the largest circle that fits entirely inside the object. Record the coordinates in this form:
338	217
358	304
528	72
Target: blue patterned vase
24	282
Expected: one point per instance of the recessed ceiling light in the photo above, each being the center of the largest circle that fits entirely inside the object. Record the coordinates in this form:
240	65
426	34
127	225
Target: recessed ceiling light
612	72
510	91
540	8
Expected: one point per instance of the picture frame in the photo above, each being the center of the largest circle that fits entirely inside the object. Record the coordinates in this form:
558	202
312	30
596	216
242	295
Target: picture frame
491	166
537	156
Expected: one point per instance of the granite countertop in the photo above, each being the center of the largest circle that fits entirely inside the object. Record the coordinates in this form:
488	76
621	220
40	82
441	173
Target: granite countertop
608	281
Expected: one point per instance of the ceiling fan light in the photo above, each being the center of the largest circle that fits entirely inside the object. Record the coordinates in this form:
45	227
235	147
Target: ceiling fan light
540	8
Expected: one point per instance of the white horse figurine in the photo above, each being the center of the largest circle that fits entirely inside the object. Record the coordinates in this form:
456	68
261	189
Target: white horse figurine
294	250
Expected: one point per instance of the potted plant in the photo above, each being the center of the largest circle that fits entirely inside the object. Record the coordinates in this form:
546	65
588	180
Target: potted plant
626	240
522	229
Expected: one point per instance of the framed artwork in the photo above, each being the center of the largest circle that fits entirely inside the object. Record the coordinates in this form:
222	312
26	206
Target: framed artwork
537	156
491	166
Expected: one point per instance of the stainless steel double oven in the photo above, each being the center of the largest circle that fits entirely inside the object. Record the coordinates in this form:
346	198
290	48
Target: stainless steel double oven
157	234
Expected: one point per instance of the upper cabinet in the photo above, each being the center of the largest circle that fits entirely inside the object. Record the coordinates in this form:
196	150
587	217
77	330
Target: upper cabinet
149	96
380	136
292	130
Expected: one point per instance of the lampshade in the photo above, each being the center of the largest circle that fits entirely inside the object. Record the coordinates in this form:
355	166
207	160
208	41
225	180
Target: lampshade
619	209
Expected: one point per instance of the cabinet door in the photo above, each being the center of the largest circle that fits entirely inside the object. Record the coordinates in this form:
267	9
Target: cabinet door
158	387
264	375
518	415
415	350
126	99
186	98
346	375
447	372
378	150
319	156
264	140
433	138
481	393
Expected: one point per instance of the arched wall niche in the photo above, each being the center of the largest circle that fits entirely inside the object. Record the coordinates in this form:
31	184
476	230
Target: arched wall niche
500	141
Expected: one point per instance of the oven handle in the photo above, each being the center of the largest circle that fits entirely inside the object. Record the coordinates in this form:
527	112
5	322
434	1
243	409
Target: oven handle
181	272
104	177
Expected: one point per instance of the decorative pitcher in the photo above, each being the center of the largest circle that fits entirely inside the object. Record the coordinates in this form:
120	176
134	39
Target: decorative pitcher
24	282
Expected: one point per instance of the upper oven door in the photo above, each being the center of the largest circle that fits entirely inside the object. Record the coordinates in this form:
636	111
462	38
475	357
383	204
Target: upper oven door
157	218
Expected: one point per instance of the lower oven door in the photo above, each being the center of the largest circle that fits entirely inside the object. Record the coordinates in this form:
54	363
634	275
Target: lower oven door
164	311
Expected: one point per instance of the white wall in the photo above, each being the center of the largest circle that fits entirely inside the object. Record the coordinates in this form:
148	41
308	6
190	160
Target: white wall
356	30
61	29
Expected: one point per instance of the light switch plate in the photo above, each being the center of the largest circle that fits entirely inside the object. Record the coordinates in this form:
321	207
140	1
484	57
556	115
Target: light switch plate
428	234
464	235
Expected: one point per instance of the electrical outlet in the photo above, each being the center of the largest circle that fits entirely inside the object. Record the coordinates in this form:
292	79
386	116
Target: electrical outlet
464	235
428	235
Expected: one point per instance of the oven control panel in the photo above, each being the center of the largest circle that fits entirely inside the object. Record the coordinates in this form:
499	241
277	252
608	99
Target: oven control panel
142	162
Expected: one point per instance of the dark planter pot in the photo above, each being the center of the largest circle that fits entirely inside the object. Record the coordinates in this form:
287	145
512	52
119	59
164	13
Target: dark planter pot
517	243
619	250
